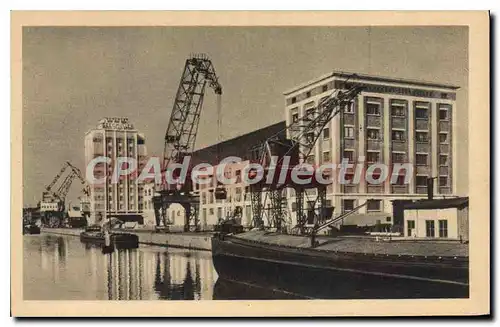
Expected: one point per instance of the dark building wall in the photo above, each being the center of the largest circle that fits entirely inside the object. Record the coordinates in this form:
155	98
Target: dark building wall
398	211
239	146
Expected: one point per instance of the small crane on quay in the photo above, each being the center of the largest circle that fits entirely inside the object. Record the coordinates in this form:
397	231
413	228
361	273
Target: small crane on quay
53	204
269	200
180	139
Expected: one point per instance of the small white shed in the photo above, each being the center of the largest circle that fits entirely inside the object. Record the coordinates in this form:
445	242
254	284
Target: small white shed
437	218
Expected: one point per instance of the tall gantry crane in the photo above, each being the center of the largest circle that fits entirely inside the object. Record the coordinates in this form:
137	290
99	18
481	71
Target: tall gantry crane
270	199
181	133
53	201
185	117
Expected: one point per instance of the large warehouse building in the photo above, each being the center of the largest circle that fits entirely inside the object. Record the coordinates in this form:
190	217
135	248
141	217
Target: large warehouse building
391	121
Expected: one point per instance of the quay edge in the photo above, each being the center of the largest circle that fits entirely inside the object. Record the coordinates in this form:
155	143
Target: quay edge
192	241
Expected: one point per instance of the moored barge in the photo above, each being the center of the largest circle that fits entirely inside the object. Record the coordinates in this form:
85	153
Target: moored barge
31	229
344	267
95	235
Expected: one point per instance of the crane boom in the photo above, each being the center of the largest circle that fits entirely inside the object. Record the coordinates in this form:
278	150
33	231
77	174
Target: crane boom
63	189
53	202
56	178
182	128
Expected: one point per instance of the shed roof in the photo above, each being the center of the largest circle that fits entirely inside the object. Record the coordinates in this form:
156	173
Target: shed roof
458	202
239	146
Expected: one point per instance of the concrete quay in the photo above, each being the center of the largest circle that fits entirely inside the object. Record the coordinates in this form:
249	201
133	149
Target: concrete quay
194	241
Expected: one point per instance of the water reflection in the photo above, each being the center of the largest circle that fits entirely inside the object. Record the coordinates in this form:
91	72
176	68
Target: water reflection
59	267
178	287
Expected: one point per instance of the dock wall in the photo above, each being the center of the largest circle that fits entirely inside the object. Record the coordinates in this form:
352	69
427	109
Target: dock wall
195	241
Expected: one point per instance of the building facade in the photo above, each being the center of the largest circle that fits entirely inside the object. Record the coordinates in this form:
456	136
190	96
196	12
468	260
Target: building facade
113	138
148	213
391	121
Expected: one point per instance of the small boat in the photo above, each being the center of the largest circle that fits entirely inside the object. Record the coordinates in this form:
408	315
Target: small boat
94	234
229	226
31	229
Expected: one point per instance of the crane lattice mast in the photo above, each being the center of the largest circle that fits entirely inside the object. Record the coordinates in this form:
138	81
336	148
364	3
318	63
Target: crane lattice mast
182	128
63	189
52	215
302	136
180	137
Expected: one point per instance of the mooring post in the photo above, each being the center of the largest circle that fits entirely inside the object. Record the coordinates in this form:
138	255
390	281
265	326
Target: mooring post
313	239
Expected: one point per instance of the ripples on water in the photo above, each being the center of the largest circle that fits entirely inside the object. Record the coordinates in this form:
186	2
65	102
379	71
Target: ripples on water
63	268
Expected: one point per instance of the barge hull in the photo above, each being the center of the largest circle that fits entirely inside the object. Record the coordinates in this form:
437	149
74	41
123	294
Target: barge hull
118	241
319	274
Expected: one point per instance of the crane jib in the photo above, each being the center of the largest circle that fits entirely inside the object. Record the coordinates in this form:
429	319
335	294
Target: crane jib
182	129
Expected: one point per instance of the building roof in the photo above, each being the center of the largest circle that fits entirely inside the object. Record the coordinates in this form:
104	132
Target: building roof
458	202
239	146
374	78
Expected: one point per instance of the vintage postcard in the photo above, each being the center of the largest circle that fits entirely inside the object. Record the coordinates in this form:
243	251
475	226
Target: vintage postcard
250	163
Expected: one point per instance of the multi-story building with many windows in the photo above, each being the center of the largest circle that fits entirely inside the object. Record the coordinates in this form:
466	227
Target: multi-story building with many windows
113	138
391	121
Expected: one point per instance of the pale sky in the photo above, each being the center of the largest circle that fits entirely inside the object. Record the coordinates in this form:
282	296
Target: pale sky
74	76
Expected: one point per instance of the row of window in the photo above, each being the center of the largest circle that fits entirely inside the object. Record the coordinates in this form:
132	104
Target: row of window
373	107
121	186
121	181
421	159
120	198
396	135
371	205
309	204
228	173
308	94
121	207
420	180
120	152
311	112
430	229
119	140
109	140
211	212
208	197
371	157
